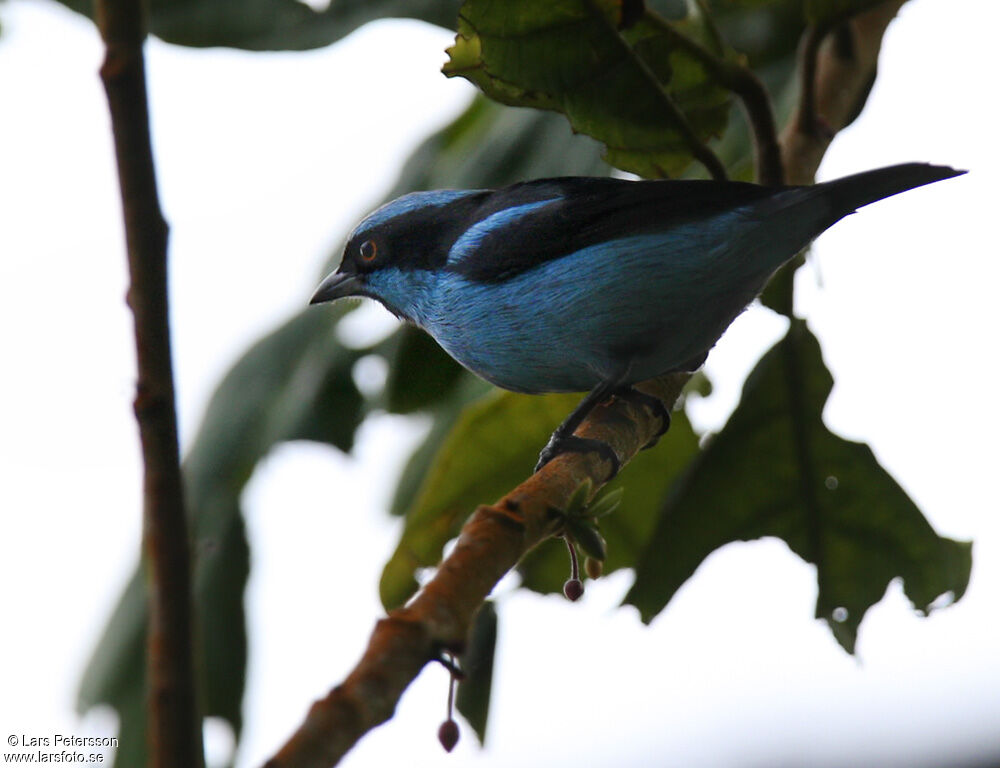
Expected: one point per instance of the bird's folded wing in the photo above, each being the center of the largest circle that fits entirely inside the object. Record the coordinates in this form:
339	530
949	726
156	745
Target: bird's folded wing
520	227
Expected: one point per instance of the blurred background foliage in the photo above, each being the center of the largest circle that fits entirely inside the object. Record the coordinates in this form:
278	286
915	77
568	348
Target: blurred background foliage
570	94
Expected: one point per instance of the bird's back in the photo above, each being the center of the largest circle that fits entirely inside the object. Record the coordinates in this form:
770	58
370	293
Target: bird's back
593	276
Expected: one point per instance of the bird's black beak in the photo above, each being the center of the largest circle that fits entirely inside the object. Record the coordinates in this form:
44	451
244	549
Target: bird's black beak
336	286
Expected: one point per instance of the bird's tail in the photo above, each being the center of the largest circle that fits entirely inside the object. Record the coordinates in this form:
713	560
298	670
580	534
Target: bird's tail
846	195
803	213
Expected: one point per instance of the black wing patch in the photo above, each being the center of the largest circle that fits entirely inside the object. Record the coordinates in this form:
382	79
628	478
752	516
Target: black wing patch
585	212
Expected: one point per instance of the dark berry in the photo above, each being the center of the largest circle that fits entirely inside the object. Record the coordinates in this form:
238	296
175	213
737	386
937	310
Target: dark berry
573	589
448	735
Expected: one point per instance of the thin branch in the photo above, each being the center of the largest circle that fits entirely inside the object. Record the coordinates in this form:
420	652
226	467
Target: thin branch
770	169
699	149
807	121
808	116
832	86
753	95
439	618
837	85
174	727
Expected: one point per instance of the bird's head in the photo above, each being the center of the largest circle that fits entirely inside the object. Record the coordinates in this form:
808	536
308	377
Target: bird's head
393	255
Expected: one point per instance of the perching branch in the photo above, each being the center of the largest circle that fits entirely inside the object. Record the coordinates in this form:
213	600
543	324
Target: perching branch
174	726
439	618
496	537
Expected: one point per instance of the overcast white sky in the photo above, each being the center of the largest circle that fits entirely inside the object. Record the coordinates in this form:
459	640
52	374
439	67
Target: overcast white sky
264	162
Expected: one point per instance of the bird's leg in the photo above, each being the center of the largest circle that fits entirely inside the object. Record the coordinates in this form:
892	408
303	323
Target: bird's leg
655	406
563	440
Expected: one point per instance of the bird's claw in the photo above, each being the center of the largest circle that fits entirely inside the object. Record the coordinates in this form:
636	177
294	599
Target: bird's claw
573	444
653	404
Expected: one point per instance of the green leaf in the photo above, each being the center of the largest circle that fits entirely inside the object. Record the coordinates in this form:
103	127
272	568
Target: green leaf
626	88
473	699
588	537
116	672
606	503
493	446
766	32
445	415
294	384
577	503
490	145
275	25
643	483
776	470
420	372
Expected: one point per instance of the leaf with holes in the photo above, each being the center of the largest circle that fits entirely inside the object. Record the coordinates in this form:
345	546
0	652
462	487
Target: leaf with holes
776	470
635	89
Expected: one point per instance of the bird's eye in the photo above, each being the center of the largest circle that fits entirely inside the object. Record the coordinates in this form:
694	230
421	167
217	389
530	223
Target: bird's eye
368	250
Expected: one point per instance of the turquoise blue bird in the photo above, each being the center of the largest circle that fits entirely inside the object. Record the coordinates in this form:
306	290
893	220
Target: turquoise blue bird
591	284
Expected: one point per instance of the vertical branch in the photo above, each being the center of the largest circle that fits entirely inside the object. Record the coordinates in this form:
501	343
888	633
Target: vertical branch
836	75
835	82
174	727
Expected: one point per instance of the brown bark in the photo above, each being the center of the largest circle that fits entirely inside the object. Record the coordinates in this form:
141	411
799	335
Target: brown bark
174	726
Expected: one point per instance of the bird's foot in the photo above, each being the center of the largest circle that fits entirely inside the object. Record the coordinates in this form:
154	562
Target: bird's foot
572	444
653	404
